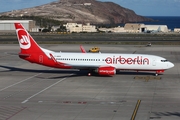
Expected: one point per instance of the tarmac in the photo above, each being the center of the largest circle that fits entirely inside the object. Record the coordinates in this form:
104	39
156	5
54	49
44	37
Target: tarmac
33	92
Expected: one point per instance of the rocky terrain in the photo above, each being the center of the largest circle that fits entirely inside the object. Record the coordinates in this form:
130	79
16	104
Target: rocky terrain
82	11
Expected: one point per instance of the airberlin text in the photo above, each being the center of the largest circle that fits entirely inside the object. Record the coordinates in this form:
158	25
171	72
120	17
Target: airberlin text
139	60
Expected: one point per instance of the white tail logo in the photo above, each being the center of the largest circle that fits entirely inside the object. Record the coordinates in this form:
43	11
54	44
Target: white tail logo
24	40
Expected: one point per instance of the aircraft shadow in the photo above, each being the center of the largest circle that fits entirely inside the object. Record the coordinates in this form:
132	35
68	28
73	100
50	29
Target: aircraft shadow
75	73
136	73
161	114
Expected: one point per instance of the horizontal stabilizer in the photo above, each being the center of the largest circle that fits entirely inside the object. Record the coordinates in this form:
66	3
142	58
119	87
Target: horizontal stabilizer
24	55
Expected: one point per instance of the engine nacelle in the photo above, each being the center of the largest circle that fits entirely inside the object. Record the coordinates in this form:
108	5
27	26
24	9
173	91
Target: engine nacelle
159	71
106	71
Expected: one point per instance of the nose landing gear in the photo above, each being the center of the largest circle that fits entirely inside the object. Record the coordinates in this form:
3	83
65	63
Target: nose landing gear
159	72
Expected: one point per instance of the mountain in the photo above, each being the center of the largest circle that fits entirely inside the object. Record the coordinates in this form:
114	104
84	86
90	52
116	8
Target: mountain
82	11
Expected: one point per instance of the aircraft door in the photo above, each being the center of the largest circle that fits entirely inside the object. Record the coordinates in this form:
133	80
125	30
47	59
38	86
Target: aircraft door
154	62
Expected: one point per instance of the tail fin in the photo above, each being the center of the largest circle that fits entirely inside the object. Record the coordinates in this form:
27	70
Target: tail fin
26	42
32	52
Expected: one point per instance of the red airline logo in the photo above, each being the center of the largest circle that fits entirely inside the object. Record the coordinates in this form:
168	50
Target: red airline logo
139	60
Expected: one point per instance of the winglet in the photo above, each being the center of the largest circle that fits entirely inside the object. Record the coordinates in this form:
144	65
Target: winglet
82	49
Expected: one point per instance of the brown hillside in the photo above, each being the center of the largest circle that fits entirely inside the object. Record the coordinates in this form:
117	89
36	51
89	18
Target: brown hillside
82	11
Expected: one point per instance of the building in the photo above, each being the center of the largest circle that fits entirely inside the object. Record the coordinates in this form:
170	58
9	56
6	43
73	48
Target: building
157	28
114	30
118	29
89	28
134	28
139	28
8	25
74	27
177	30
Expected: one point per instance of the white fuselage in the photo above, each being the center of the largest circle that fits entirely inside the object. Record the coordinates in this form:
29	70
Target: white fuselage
118	61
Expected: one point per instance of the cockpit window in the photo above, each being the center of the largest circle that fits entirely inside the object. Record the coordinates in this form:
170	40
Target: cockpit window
164	60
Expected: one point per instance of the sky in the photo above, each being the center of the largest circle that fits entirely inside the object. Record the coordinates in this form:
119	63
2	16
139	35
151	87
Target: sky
140	7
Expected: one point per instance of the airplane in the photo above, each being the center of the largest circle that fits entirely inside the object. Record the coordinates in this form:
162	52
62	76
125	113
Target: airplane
105	64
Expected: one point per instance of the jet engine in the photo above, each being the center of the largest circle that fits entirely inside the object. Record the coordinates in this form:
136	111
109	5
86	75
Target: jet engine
106	71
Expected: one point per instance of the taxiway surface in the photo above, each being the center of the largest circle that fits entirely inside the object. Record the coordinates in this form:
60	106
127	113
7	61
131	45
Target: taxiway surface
33	92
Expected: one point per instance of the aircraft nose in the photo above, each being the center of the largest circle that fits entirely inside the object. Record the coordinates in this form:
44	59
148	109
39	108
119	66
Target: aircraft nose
170	65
